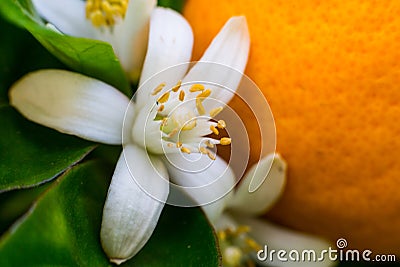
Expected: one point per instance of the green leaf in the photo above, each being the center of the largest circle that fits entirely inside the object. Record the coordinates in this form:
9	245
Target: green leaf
14	203
90	57
62	229
174	4
32	154
183	238
14	63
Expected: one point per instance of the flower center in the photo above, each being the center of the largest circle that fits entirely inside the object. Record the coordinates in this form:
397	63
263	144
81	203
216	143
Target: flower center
236	246
105	12
185	122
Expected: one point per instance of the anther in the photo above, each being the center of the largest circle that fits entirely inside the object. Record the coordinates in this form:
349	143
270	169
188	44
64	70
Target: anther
214	130
89	8
203	150
200	107
181	95
215	111
164	98
105	12
170	145
161	108
242	229
232	256
178	144
97	18
211	155
204	94
158	88
106	7
185	150
196	88
253	244
177	86
225	141
190	125
164	122
221	124
173	132
209	144
221	234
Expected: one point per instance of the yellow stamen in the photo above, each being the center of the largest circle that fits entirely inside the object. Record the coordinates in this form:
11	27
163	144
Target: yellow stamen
242	229
189	126
215	111
232	256
88	8
97	18
200	107
204	94
158	89
181	95
164	122
253	244
106	7
105	12
225	141
211	155
184	120
221	234
236	246
203	150
221	124
214	130
185	150
177	86
209	144
196	88
164	98
173	132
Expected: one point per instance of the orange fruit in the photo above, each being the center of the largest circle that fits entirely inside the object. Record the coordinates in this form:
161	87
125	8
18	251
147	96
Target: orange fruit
330	71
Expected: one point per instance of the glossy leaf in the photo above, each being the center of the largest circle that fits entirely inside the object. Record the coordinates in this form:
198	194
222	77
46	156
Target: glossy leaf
14	63
183	238
90	57
174	4
14	203
32	154
62	229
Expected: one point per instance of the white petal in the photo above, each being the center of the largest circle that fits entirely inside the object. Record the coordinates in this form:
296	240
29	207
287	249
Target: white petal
202	128
131	36
67	15
208	182
225	60
279	238
72	103
170	43
130	215
270	174
146	131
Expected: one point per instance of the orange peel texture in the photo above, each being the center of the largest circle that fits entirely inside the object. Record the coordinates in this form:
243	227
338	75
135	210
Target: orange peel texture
330	71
